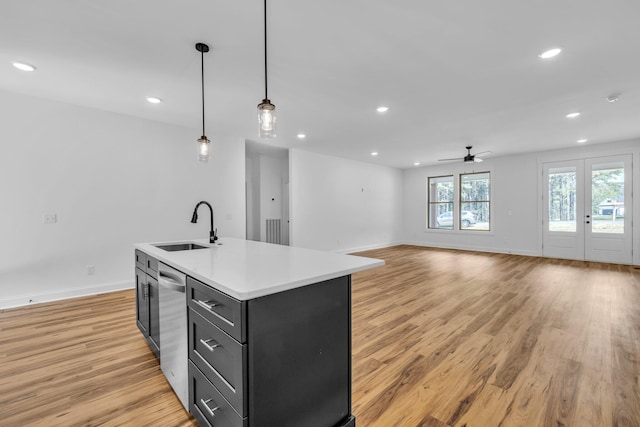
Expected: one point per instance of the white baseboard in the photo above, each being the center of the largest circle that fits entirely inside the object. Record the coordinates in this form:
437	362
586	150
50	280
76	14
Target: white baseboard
367	248
61	294
471	248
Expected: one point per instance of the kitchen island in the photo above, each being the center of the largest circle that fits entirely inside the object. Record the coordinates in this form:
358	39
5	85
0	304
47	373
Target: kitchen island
267	330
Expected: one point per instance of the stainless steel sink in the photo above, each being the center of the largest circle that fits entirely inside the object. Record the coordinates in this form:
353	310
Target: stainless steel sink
174	247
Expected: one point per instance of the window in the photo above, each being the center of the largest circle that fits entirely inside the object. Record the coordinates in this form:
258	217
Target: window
475	190
440	200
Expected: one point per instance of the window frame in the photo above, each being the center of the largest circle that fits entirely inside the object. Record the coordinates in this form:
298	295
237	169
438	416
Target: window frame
458	204
461	202
452	202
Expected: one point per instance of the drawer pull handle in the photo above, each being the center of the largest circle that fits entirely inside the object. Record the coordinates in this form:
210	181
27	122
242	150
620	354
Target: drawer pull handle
209	346
207	304
211	411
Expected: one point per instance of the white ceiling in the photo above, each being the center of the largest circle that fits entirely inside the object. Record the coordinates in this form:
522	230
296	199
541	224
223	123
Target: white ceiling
453	73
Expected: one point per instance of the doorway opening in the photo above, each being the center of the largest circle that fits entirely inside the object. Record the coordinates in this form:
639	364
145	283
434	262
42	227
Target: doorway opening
267	193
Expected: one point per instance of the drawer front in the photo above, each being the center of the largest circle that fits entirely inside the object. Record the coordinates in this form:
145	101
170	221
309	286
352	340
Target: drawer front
223	311
207	404
152	266
141	260
221	358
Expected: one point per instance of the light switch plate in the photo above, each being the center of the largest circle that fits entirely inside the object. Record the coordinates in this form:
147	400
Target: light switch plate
49	218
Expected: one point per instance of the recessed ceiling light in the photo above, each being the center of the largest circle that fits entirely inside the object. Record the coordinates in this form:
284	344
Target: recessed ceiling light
572	115
154	100
301	136
382	109
24	66
374	153
416	164
581	141
547	54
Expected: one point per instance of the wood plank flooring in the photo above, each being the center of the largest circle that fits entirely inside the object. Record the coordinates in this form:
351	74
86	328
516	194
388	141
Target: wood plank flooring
440	338
450	338
82	362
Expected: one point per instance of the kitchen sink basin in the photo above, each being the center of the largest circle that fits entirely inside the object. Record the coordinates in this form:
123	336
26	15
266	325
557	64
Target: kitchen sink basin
174	247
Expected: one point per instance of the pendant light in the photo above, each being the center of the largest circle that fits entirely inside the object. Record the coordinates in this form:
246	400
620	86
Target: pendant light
266	110
203	142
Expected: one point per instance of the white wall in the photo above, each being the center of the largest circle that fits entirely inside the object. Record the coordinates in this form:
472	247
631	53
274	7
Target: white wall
113	181
343	205
252	177
516	188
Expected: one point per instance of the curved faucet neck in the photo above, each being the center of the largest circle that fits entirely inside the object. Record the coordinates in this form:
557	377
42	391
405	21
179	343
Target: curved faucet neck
210	210
212	234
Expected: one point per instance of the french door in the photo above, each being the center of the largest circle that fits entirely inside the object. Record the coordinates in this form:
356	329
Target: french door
587	209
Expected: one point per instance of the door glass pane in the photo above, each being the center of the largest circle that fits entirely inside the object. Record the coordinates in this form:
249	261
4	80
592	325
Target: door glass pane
562	199
607	198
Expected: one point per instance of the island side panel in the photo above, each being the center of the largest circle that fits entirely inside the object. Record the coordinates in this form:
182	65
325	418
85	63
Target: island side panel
300	356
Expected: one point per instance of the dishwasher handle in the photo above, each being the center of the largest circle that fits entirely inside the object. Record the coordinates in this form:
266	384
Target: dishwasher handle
170	281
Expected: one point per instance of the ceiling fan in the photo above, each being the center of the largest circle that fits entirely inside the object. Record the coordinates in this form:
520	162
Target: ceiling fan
469	158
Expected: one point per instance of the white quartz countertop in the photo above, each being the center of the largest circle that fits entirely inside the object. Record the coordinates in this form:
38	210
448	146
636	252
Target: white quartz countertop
244	269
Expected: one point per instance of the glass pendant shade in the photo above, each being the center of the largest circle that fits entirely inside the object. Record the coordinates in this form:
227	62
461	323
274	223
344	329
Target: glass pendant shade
203	149
267	119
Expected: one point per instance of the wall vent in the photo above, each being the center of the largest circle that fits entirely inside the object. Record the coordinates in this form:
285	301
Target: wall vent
273	231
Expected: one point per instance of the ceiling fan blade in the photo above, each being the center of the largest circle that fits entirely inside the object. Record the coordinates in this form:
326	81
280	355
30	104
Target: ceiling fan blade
477	159
483	153
449	160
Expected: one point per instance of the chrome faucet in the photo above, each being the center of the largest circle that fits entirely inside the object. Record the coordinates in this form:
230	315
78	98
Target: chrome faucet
213	234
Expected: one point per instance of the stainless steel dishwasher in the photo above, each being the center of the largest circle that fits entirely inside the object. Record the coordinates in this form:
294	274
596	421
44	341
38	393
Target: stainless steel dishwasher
173	330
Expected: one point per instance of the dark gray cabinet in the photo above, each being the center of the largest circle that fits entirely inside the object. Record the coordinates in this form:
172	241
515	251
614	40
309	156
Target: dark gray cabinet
279	360
142	302
147	302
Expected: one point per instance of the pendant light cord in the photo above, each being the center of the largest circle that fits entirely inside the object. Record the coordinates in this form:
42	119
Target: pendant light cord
202	74
266	96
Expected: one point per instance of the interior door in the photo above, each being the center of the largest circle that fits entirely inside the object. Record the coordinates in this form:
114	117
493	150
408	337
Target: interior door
587	209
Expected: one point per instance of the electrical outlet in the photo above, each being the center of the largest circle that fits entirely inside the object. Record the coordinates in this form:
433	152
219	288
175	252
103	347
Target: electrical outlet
49	218
91	270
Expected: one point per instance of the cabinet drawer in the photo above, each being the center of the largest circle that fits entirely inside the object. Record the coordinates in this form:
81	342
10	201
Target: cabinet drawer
223	311
221	358
207	404
141	260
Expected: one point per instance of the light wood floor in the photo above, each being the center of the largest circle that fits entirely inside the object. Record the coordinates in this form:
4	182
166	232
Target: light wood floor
440	338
